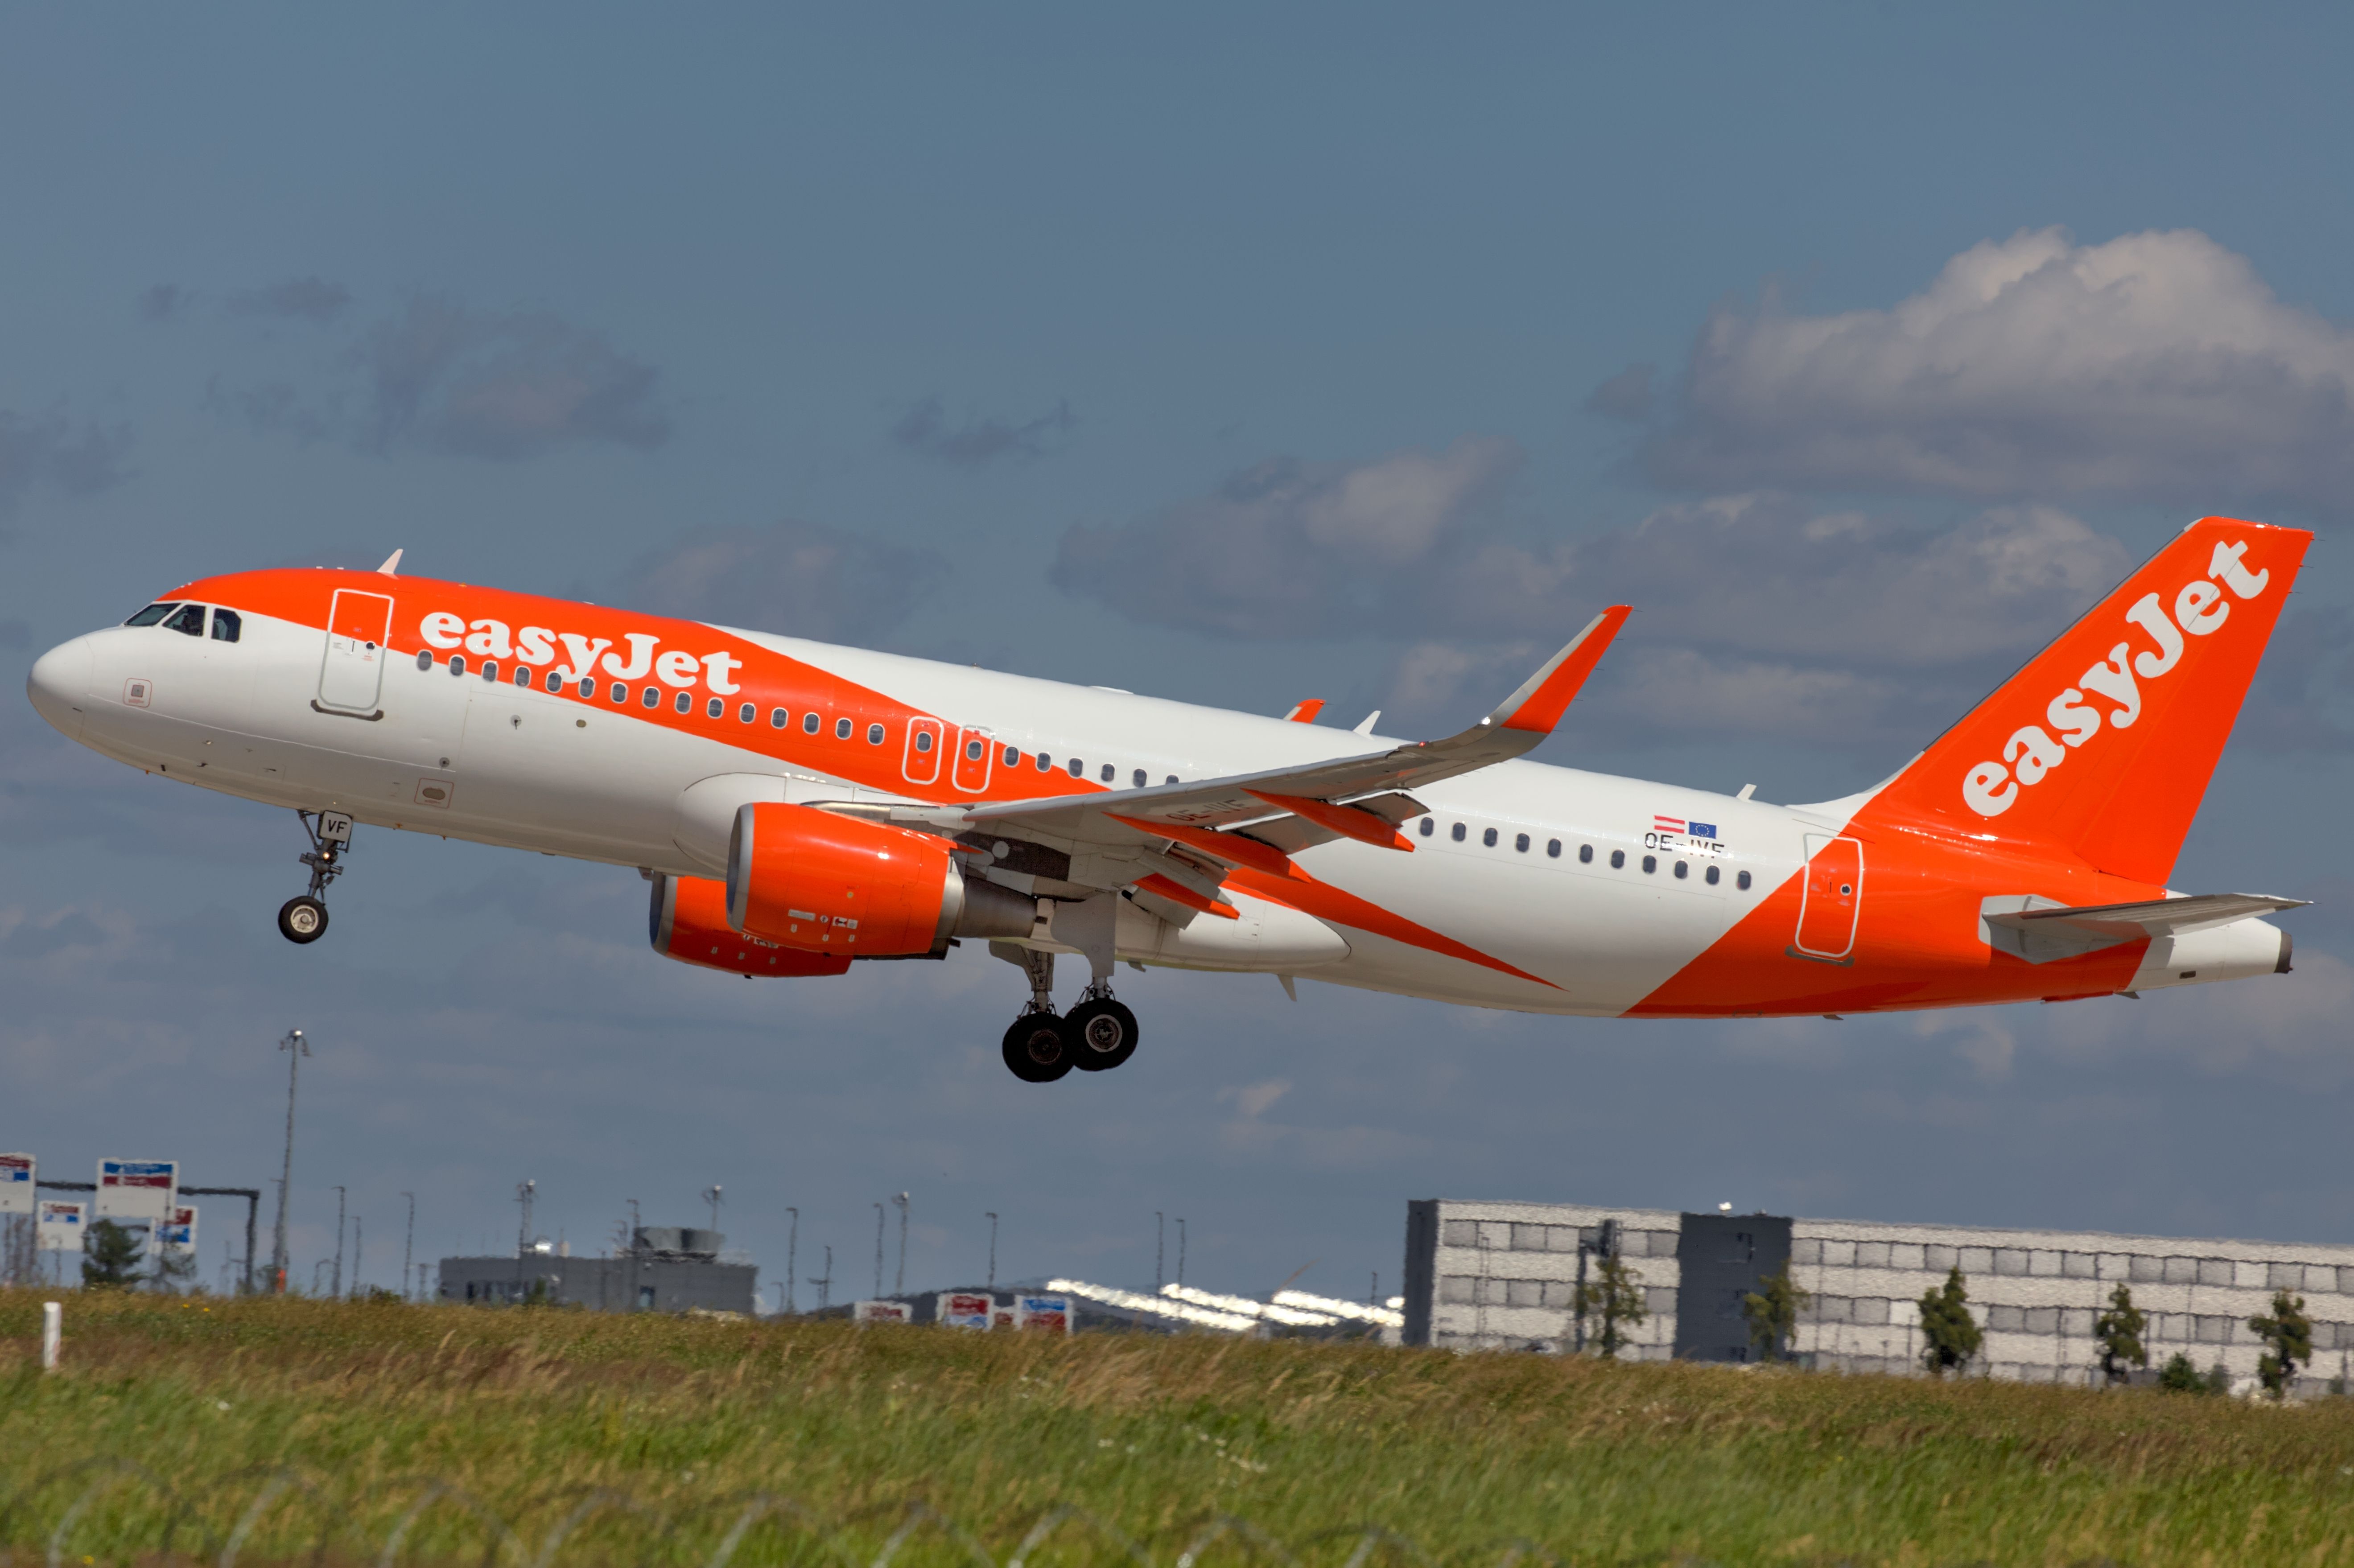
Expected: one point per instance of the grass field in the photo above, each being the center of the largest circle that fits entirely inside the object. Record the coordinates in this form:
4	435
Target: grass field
654	1433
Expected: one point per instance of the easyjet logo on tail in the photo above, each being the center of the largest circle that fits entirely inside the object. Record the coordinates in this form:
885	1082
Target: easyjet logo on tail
2030	753
536	645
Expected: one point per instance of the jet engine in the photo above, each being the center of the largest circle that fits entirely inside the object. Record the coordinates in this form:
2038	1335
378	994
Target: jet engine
688	922
818	882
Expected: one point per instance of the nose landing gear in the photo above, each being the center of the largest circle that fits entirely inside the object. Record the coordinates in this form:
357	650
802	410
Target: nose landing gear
303	918
1096	1035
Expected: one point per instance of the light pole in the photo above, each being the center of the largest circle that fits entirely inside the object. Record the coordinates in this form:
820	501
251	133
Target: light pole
899	1283
1159	1253
992	1253
338	1276
711	1196
1181	1252
409	1247
792	1243
824	1282
296	1048
359	1251
878	1249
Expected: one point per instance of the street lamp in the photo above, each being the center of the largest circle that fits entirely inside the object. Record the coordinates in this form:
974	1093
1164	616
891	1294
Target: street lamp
900	1285
296	1048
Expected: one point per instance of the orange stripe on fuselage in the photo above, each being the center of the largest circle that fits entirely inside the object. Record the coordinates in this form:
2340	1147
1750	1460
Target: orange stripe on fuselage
1326	902
762	677
1917	943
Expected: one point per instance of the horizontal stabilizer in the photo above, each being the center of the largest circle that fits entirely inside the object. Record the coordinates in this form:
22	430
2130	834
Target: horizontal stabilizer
2041	930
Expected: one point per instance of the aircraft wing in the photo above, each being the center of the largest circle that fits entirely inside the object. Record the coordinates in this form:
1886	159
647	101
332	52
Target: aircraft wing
2048	931
1358	796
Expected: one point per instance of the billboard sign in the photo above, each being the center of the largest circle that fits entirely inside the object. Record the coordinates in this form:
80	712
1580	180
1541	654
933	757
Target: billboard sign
16	1183
1049	1314
178	1234
879	1312
1005	1317
59	1226
137	1188
965	1309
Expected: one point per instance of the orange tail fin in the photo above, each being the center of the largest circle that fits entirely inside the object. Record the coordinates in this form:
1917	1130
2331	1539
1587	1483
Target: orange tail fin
2104	743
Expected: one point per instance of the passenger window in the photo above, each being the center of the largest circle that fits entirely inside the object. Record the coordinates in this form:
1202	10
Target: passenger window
458	664
1455	833
973	750
491	670
1740	880
588	685
1650	863
190	620
1079	768
1013	756
715	708
1553	848
1430	826
1521	843
1045	761
923	740
650	696
522	676
776	717
1617	860
1107	772
841	729
809	722
425	658
873	734
1585	855
1488	837
1683	869
620	693
1138	778
1172	779
555	679
685	703
151	615
1713	874
225	625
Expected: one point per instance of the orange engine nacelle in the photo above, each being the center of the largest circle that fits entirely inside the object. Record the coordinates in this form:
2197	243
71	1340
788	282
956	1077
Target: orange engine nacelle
689	923
818	882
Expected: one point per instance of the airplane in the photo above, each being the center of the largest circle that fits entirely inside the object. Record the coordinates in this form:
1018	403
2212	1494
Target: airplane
799	807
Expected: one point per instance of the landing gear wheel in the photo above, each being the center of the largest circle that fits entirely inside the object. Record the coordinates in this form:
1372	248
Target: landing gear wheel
1038	1048
303	919
1103	1034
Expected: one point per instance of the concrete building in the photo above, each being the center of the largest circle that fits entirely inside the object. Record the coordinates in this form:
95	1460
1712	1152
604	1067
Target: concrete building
1484	1276
667	1270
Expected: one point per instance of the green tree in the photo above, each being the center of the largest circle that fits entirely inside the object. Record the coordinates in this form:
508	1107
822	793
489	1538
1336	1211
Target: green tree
2288	1334
110	1255
2119	1332
1772	1313
1614	1294
2178	1376
1949	1335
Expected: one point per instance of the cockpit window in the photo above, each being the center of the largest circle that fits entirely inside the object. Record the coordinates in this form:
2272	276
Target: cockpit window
189	618
151	615
227	625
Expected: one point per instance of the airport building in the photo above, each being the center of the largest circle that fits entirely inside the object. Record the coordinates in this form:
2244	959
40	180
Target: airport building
665	1269
1491	1275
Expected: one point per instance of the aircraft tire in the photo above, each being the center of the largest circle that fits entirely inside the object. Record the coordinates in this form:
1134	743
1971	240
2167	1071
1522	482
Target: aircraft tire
303	919
1102	1034
1038	1048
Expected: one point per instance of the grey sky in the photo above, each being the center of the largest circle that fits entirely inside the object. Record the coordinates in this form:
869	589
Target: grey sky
1856	349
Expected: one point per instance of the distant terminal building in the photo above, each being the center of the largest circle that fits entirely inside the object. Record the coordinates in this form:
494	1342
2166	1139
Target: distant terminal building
1488	1276
665	1269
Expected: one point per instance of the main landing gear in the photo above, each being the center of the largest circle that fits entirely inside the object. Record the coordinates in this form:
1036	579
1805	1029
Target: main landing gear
303	918
1098	1034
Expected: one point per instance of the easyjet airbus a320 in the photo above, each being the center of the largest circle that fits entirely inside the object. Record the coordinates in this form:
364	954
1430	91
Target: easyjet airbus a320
799	807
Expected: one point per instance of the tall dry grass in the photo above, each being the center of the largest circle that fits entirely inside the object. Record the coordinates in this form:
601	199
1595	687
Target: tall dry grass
653	1430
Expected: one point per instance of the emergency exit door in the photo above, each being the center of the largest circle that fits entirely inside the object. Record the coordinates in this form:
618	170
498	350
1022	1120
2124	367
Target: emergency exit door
1832	898
351	677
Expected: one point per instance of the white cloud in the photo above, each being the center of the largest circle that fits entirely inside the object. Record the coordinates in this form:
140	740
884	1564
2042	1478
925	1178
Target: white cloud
802	580
2159	365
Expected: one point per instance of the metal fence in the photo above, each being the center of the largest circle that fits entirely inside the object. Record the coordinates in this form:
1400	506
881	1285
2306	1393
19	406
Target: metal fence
48	1519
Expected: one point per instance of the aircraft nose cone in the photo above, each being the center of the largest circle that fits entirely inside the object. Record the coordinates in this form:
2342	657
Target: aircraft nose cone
58	685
